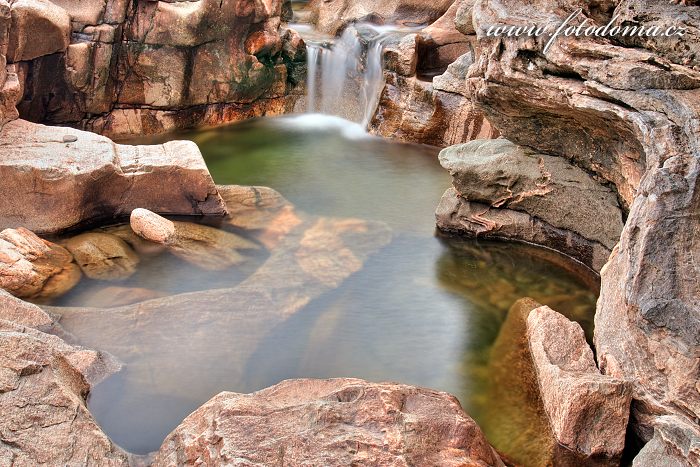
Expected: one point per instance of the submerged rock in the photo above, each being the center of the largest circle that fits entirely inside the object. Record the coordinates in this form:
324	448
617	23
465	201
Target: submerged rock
297	272
204	246
330	422
93	179
588	411
103	256
34	268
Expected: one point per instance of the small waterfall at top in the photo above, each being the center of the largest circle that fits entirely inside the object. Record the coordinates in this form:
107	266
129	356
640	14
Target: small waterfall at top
346	77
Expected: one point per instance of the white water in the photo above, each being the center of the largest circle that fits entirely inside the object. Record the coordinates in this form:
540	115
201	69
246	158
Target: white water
346	79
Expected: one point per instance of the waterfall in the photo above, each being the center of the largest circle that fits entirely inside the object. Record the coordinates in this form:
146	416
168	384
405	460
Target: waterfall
312	53
346	78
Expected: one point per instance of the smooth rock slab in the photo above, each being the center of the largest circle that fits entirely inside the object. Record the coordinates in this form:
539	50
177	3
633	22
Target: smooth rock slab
50	185
335	422
457	215
503	175
588	411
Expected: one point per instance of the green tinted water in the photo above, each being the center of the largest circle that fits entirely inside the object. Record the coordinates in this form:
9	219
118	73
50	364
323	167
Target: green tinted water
425	310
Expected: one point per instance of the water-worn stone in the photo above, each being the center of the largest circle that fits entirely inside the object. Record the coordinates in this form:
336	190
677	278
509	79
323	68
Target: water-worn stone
629	115
34	268
43	386
39	27
588	411
103	256
502	175
202	245
330	422
94	179
261	210
456	215
151	226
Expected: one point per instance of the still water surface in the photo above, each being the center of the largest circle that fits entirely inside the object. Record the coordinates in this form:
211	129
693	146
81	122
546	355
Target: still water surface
425	310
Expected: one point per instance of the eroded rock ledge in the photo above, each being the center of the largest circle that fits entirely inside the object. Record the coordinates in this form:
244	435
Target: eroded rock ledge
629	115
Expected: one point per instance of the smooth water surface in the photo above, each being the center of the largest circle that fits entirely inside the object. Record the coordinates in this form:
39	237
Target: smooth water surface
425	310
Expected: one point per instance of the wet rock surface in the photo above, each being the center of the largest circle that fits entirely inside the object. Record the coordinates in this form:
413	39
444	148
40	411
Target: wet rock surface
103	256
93	178
34	268
330	422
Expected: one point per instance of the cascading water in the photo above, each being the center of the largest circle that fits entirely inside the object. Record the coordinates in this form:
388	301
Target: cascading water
346	77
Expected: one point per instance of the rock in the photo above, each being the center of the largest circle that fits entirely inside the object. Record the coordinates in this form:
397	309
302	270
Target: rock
441	43
39	27
207	247
148	67
151	226
502	175
454	78
261	210
43	386
588	411
629	115
95	179
34	268
456	215
400	54
332	17
412	110
23	313
330	422
103	256
294	275
116	296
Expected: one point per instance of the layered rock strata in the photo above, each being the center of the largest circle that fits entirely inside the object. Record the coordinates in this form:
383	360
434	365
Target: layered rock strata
121	68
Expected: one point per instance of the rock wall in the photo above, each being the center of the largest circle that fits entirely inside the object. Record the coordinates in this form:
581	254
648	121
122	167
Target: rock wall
629	115
120	68
425	98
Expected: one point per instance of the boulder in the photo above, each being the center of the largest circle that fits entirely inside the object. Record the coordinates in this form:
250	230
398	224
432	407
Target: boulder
34	268
588	411
103	256
331	17
92	179
330	422
151	226
43	386
39	27
499	174
202	245
23	313
411	110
